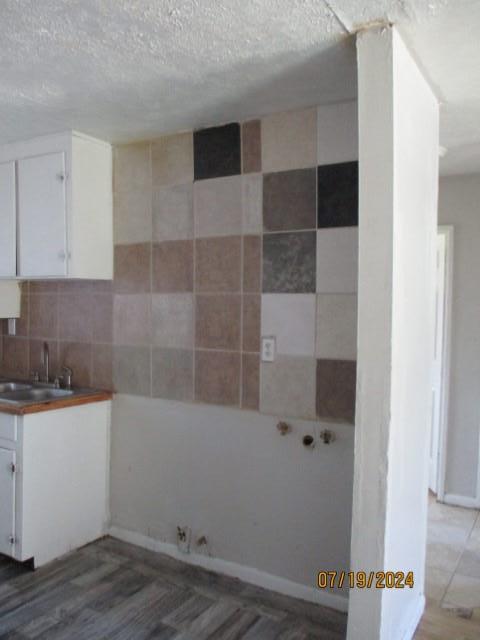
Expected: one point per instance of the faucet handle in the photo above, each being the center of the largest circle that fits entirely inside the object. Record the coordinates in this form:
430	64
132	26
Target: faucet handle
35	376
67	376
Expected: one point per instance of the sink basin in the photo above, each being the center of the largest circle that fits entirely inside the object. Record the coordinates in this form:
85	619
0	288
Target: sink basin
33	395
13	386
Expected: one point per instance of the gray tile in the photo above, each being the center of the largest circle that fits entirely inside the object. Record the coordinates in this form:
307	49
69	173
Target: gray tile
131	370
172	374
288	387
172	320
336	390
173	213
289	262
289	200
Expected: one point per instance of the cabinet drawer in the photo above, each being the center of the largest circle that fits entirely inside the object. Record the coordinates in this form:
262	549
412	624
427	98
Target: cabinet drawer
8	427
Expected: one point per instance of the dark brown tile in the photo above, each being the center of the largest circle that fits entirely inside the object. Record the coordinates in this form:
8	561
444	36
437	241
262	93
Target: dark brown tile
172	374
132	268
74	286
102	373
251	146
43	286
252	264
15	357
289	200
77	356
218	264
75	314
217	377
102	286
289	262
173	266
217	322
250	381
336	390
102	317
44	316
216	151
251	323
37	364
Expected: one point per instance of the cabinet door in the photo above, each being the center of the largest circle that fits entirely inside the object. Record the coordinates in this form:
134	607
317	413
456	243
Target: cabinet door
42	232
7	501
8	220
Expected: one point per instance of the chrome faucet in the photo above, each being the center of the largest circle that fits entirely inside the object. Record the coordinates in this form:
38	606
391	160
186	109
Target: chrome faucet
46	361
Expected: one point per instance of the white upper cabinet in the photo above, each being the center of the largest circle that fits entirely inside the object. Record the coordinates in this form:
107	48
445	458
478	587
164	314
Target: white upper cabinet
8	250
62	215
42	216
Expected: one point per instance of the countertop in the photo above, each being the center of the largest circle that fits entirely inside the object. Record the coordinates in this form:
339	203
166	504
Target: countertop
83	397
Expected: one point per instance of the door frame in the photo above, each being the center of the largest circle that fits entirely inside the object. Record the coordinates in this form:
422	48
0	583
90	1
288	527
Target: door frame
448	232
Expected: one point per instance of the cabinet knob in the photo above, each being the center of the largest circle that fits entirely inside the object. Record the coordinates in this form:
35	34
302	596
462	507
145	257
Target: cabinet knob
61	177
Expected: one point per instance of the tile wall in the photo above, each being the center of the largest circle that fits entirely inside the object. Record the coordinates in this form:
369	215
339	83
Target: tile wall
221	236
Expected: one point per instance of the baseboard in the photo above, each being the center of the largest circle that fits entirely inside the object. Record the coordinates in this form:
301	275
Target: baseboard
247	574
461	501
412	624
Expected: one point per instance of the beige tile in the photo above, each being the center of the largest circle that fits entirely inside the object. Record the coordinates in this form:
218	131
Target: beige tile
132	268
77	356
132	166
459	517
44	316
250	381
75	315
289	140
173	213
172	159
443	556
463	591
218	207
446	532
336	335
172	374
252	264
252	146
288	387
251	323
173	266
102	317
218	265
132	216
337	260
290	317
217	321
436	583
337	133
15	357
102	371
131	370
469	564
172	320
132	321
336	390
252	203
217	377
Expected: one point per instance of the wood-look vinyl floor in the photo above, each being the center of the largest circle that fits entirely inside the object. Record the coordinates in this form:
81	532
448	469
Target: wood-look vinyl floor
114	590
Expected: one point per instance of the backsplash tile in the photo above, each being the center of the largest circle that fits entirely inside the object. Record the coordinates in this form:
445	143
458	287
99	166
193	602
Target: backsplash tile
217	377
289	200
289	262
338	195
172	269
210	254
252	146
336	387
217	152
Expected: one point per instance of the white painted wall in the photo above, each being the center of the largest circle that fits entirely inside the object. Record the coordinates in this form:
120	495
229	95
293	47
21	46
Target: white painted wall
398	117
273	512
459	205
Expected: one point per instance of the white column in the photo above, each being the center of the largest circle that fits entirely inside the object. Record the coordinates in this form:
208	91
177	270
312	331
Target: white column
398	156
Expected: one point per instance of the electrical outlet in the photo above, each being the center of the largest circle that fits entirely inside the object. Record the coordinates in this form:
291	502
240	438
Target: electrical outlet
184	535
268	348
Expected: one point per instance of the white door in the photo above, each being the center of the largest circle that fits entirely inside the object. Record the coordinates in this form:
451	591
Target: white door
8	220
7	501
42	232
439	340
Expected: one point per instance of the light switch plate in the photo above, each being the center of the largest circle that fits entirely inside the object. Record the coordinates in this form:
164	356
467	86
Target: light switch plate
268	348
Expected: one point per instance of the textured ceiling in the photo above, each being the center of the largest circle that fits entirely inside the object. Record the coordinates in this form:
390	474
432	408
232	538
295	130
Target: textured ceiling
132	69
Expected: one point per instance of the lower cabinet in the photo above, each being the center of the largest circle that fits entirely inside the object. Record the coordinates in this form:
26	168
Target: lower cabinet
54	471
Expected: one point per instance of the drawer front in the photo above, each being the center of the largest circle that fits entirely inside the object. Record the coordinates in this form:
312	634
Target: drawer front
8	427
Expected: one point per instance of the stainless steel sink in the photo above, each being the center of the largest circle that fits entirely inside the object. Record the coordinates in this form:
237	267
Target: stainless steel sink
34	395
13	386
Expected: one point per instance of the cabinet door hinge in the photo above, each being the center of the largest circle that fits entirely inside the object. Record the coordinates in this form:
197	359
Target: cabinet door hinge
12	539
13	467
